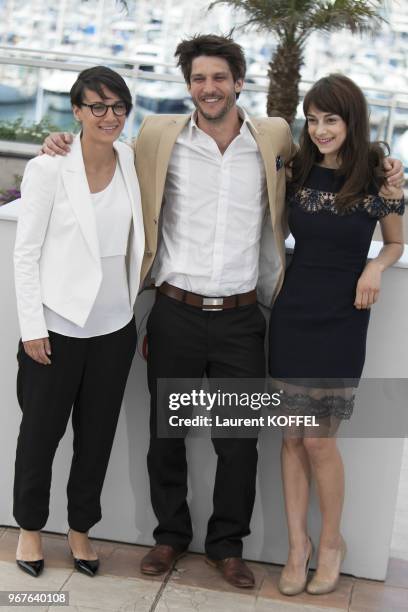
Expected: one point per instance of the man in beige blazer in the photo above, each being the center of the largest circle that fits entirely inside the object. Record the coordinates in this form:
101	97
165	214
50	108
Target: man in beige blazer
213	196
153	147
160	154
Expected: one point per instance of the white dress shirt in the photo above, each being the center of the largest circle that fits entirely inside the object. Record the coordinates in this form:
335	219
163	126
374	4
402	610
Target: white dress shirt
214	205
111	310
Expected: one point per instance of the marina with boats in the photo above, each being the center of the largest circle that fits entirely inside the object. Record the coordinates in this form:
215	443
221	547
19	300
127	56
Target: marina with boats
43	45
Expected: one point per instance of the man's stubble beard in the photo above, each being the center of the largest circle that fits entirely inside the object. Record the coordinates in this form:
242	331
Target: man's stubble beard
229	103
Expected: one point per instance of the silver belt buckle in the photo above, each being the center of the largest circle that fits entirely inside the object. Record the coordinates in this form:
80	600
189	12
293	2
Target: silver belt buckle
208	301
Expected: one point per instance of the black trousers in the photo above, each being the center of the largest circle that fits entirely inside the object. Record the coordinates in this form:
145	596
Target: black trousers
87	376
186	342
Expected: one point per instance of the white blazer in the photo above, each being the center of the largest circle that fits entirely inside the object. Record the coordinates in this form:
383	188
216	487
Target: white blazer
56	255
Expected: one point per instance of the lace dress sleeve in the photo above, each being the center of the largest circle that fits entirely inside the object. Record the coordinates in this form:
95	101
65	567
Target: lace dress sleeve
378	207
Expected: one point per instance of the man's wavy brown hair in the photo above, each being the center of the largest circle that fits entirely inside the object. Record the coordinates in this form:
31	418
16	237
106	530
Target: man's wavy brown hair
211	45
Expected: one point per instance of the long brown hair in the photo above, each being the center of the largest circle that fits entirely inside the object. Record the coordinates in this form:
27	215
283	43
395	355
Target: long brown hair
361	161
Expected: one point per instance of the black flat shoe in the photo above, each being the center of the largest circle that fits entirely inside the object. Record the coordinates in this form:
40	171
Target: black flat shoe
86	567
34	568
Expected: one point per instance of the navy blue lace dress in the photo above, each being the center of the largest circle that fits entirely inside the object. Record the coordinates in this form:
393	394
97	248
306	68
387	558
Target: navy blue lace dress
317	338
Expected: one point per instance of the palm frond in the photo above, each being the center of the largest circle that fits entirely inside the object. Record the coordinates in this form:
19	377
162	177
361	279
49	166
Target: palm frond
293	21
264	10
301	17
268	14
356	16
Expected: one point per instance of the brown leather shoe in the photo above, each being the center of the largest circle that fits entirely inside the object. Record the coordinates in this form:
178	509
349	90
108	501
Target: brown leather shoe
235	571
160	559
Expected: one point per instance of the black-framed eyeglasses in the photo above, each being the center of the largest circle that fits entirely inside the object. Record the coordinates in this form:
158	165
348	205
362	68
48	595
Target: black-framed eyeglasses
99	109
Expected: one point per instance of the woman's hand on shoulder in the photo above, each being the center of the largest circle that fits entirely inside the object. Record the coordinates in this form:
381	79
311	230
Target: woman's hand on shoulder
368	286
39	350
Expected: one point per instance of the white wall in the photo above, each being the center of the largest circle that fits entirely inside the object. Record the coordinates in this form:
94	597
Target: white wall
372	465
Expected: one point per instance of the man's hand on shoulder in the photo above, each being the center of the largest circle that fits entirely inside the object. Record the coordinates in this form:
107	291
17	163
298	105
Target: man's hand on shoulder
57	143
391	192
394	172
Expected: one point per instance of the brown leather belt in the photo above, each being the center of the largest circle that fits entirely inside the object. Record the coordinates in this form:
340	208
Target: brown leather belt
208	303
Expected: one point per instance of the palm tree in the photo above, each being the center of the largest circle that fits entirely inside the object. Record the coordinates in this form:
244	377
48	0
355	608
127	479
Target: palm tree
292	21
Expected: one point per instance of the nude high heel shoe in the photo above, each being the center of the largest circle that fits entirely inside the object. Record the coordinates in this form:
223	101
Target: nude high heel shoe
321	586
291	586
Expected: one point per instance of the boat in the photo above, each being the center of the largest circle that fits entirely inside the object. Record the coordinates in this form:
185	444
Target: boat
16	94
147	56
18	84
161	97
56	87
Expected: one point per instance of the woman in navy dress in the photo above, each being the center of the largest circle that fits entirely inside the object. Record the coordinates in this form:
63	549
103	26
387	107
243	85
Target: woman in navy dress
336	194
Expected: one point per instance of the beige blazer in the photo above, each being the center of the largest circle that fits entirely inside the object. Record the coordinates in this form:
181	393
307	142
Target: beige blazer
153	147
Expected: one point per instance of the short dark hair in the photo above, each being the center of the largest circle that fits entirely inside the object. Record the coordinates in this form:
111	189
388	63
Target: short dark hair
212	45
93	79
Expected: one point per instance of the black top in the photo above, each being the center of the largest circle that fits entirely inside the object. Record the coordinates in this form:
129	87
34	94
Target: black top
316	334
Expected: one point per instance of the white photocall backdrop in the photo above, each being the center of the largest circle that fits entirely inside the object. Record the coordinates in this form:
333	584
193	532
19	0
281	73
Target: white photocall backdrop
372	465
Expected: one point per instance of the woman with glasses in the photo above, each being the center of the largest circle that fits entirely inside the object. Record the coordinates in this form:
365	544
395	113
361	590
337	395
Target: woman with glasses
78	254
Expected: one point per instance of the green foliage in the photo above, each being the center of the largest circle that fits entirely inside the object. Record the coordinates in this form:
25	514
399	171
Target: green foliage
17	131
296	19
292	22
12	193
